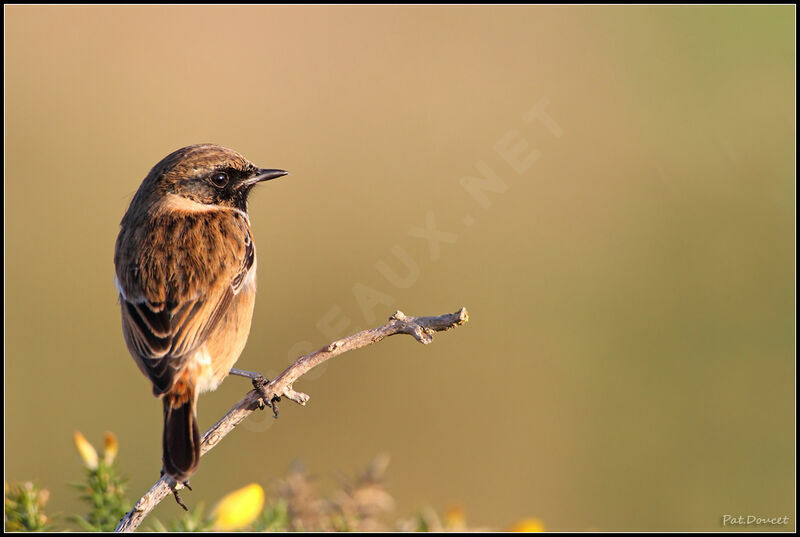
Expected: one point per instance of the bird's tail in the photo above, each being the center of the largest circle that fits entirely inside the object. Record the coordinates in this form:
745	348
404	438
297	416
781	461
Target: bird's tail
181	435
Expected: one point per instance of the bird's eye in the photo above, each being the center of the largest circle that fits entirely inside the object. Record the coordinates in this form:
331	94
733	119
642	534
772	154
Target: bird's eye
219	179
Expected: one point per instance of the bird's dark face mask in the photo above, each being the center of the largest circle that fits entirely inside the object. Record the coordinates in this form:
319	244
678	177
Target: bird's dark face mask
226	186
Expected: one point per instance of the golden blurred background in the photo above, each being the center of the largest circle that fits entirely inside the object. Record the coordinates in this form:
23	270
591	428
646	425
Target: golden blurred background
610	192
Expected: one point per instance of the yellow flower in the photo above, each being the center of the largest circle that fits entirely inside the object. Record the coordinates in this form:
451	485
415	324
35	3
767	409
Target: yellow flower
454	517
239	508
110	448
85	450
528	525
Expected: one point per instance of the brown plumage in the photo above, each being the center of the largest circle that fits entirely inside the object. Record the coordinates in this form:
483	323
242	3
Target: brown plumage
185	270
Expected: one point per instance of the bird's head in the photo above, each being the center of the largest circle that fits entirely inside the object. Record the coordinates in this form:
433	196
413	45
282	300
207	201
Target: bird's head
206	174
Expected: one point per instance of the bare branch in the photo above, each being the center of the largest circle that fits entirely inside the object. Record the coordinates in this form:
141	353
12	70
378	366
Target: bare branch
421	328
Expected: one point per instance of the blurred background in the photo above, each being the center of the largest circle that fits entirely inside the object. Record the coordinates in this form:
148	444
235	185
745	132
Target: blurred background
609	191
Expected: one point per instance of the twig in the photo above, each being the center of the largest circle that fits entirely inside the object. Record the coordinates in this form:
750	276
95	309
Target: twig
422	328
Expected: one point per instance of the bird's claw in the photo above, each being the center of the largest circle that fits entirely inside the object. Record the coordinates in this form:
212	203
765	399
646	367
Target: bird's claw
260	383
173	487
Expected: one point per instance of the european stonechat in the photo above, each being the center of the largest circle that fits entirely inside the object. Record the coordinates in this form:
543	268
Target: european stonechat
186	274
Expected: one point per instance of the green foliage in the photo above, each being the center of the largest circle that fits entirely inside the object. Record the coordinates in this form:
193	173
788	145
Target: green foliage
359	504
25	507
104	491
274	518
192	521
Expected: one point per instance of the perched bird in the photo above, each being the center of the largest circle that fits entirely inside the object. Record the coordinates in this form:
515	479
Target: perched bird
186	275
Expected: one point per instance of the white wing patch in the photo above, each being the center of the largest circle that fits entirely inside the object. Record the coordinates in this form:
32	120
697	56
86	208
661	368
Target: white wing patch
119	287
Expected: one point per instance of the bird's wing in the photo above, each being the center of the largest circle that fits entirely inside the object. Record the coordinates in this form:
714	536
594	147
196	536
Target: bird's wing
173	303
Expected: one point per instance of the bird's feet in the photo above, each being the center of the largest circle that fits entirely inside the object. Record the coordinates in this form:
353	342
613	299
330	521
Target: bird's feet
260	383
173	487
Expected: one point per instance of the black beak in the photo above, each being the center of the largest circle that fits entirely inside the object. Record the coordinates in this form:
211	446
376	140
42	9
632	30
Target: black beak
264	175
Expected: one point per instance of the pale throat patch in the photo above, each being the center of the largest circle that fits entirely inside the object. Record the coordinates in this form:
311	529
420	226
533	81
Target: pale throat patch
173	202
